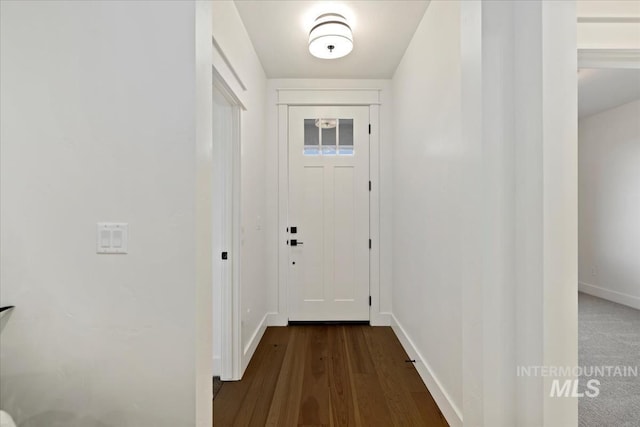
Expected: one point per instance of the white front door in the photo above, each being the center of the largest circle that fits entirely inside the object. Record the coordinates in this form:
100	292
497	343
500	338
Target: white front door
328	213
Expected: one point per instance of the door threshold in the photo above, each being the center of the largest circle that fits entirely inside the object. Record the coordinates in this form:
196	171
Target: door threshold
327	322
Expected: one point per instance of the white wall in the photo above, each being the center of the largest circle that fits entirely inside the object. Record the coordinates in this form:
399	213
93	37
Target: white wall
525	307
230	34
428	194
484	184
385	180
98	123
609	210
204	212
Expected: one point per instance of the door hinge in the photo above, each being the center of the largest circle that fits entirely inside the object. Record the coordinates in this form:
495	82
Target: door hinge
369	128
369	185
369	300
369	243
224	255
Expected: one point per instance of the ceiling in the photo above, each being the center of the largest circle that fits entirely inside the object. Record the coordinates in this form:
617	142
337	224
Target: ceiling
382	30
602	89
279	31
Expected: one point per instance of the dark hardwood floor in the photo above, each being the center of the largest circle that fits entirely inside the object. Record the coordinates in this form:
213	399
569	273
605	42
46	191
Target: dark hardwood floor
327	376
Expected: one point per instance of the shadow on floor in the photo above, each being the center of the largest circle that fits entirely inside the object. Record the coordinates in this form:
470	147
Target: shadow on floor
217	385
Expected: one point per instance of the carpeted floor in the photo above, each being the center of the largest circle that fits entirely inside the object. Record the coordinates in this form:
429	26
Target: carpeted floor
217	385
609	335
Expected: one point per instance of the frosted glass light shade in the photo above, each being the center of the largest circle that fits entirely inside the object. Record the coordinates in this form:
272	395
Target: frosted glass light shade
326	123
330	37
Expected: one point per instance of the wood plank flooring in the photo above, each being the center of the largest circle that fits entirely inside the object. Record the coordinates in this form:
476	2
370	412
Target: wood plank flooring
334	375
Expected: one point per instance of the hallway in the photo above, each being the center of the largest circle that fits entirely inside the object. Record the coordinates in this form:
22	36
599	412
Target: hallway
178	177
328	375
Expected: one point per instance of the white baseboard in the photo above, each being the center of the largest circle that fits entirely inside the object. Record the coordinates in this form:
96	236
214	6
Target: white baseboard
251	346
440	395
277	319
608	294
217	366
380	319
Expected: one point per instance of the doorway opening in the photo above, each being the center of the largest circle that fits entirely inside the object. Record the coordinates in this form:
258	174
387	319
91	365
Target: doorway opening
609	239
329	152
226	231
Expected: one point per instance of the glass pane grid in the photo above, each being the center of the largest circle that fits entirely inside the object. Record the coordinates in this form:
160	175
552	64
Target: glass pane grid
328	137
311	151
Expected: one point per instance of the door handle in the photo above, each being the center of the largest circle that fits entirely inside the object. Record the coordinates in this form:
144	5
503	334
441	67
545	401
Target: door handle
294	242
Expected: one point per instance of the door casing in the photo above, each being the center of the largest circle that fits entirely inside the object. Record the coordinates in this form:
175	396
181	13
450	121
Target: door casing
328	97
227	158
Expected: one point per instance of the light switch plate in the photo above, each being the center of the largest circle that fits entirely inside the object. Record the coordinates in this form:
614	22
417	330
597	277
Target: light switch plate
112	238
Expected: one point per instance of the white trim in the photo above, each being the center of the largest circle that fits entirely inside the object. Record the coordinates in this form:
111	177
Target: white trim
328	96
610	295
325	89
374	214
277	319
217	366
236	174
224	58
609	58
450	411
333	96
231	356
283	212
220	82
609	20
251	346
381	318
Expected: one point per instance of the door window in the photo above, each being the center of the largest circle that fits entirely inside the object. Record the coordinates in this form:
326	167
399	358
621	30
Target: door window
328	137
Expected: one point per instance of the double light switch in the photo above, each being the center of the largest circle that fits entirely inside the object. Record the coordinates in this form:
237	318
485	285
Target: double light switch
112	238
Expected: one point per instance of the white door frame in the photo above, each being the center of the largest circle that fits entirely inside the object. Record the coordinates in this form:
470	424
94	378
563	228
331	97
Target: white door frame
231	355
609	58
328	97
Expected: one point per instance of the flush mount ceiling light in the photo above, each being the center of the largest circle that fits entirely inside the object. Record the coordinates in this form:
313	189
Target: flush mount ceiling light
330	37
